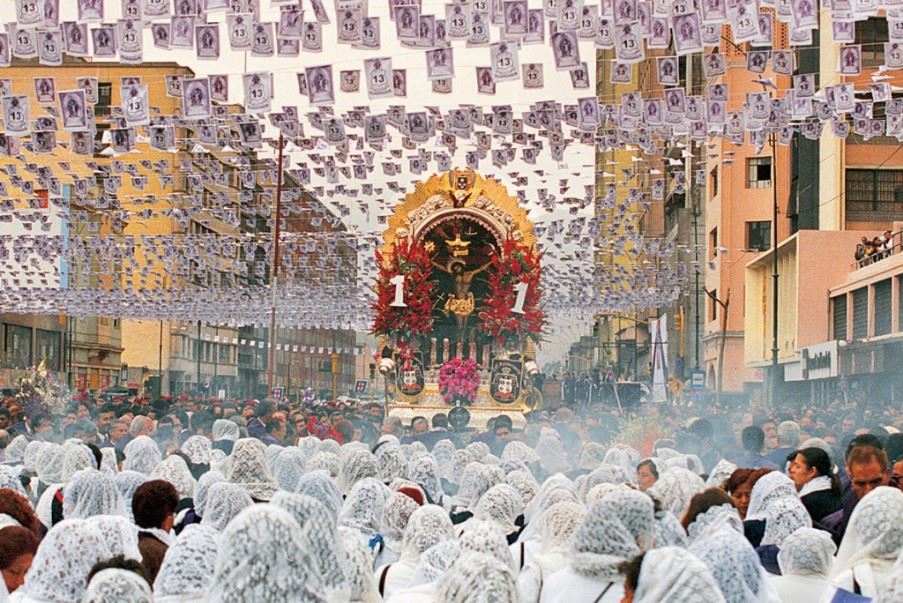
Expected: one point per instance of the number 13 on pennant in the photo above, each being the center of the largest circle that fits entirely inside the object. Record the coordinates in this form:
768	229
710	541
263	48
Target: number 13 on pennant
398	281
521	289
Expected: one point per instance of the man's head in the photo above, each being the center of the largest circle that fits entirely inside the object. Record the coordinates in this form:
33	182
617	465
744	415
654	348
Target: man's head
753	439
789	434
392	426
702	429
276	429
868	468
120	428
140	426
105	418
419	425
502	427
154	504
42	427
4	418
440	421
264	411
201	423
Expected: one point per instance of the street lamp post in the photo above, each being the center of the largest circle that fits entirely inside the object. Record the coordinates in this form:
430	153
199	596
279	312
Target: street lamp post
775	274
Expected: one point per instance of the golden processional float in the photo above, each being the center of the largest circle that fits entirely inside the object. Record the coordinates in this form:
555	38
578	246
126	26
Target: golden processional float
457	300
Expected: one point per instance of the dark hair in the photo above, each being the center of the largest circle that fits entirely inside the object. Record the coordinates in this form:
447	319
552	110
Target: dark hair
651	465
419	419
98	455
345	428
273	425
440	419
753	438
702	502
702	428
201	420
865	454
631	571
894	447
737	479
819	459
502	420
865	439
16	541
119	562
264	408
153	502
37	419
108	407
17	506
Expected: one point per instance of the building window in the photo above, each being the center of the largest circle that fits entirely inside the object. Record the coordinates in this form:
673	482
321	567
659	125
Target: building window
758	172
861	313
873	195
17	347
872	34
713	305
47	346
839	316
883	307
713	177
713	243
758	235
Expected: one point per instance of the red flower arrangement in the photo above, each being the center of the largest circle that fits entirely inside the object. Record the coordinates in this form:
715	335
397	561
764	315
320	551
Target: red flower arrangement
459	380
403	323
516	263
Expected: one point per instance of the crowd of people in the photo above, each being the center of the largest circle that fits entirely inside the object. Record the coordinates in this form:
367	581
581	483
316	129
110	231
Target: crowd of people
278	502
869	251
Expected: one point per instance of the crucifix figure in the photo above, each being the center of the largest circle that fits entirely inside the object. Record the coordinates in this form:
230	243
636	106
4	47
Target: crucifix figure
461	302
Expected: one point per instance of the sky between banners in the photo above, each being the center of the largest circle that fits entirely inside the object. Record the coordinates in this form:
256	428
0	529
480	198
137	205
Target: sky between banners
374	97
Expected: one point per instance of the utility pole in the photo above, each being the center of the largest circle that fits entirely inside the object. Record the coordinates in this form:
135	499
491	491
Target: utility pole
275	271
775	273
725	306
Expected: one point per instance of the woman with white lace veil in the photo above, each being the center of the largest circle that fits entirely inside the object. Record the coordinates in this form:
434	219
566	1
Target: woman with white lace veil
476	479
552	456
319	485
91	492
675	575
433	563
48	466
558	524
363	508
444	453
203	488
604	474
263	557
141	455
75	457
613	530
424	471
871	544
197	449
396	514
524	482
477	577
225	433
501	504
735	566
224	501
188	566
892	590
119	534
674	489
325	461
248	468
15	450
59	571
114	585
359	569
805	560
392	463
322	538
775	501
354	466
175	470
427	526
127	482
288	467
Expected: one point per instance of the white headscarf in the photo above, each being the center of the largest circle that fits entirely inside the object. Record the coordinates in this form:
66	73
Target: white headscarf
485	537
552	456
31	453
875	532
141	455
714	519
476	479
444	453
319	485
674	489
91	492
391	462
501	504
119	534
807	552
674	575
396	513
174	470
15	450
892	589
424	472
477	577
735	566
428	526
203	488
263	557
774	498
116	585
224	501
60	569
75	458
355	466
288	467
224	429
127	482
197	449
361	583
248	468
187	569
321	536
49	464
363	509
613	530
